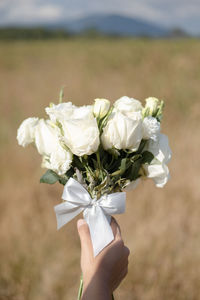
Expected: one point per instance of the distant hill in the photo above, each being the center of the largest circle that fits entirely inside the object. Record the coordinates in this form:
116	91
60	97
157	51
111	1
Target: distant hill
115	25
92	26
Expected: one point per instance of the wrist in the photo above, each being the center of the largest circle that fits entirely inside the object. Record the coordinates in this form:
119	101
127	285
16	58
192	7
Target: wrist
97	288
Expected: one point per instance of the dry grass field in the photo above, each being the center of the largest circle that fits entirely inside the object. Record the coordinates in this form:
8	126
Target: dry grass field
161	226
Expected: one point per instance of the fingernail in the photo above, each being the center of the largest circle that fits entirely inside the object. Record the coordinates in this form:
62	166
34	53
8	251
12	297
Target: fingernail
80	222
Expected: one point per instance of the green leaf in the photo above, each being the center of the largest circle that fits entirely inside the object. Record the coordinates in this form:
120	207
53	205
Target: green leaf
141	146
132	172
147	157
76	163
104	120
135	157
114	152
123	165
115	165
95	164
49	177
122	168
64	178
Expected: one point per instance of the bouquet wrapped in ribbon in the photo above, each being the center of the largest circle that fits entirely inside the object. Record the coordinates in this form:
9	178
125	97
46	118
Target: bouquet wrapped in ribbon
98	152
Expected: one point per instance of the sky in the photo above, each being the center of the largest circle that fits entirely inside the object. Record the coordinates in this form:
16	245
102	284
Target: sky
169	13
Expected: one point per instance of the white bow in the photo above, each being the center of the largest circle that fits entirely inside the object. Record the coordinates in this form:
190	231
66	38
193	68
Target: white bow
96	212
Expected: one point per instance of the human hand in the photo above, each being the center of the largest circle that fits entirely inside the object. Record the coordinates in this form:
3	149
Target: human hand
102	274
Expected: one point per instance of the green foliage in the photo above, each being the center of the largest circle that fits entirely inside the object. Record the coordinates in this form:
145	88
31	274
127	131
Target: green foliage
102	122
108	172
103	171
35	33
147	157
133	171
92	32
49	177
63	179
129	167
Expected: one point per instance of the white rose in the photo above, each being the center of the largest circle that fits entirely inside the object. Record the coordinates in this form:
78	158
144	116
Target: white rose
159	172
122	132
81	133
25	133
60	111
151	128
82	112
46	137
160	148
48	144
59	161
101	107
128	106
152	105
158	169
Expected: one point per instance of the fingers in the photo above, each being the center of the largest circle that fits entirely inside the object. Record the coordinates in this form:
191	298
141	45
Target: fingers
126	251
124	273
84	234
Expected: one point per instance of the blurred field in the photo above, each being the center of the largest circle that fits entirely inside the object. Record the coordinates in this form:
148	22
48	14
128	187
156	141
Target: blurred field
161	226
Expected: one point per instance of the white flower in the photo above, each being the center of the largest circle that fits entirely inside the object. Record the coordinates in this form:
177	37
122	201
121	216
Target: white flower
81	133
151	128
79	127
160	148
48	144
46	137
158	172
152	104
101	107
25	133
122	132
82	112
124	127
128	106
60	111
59	161
158	169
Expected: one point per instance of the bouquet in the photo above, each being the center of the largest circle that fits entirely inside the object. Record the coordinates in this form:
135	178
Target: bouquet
98	152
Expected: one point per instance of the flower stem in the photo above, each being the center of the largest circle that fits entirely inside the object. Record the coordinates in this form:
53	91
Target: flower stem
99	164
80	288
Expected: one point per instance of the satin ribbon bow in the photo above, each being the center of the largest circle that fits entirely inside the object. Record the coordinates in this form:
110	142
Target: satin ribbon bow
97	213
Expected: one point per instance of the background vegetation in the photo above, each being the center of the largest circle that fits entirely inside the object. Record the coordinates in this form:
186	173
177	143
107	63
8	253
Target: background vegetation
161	226
35	33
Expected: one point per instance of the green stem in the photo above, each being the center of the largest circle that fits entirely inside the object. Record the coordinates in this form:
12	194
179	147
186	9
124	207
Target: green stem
99	164
98	159
80	291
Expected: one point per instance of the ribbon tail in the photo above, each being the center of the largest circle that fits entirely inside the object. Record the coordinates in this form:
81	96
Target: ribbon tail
65	212
100	229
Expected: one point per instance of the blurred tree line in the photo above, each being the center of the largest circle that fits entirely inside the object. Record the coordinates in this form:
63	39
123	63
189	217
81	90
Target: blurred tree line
42	33
16	33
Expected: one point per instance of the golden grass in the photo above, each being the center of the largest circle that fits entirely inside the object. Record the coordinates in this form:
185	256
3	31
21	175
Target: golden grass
161	226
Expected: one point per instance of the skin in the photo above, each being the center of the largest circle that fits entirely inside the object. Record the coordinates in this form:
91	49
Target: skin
102	274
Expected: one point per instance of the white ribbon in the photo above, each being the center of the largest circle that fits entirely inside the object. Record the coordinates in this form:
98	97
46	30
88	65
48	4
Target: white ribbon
97	213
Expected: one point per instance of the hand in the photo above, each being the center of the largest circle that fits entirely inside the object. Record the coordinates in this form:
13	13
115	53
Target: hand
102	274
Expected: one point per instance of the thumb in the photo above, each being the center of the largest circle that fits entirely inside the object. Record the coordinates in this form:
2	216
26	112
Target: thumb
84	235
116	229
